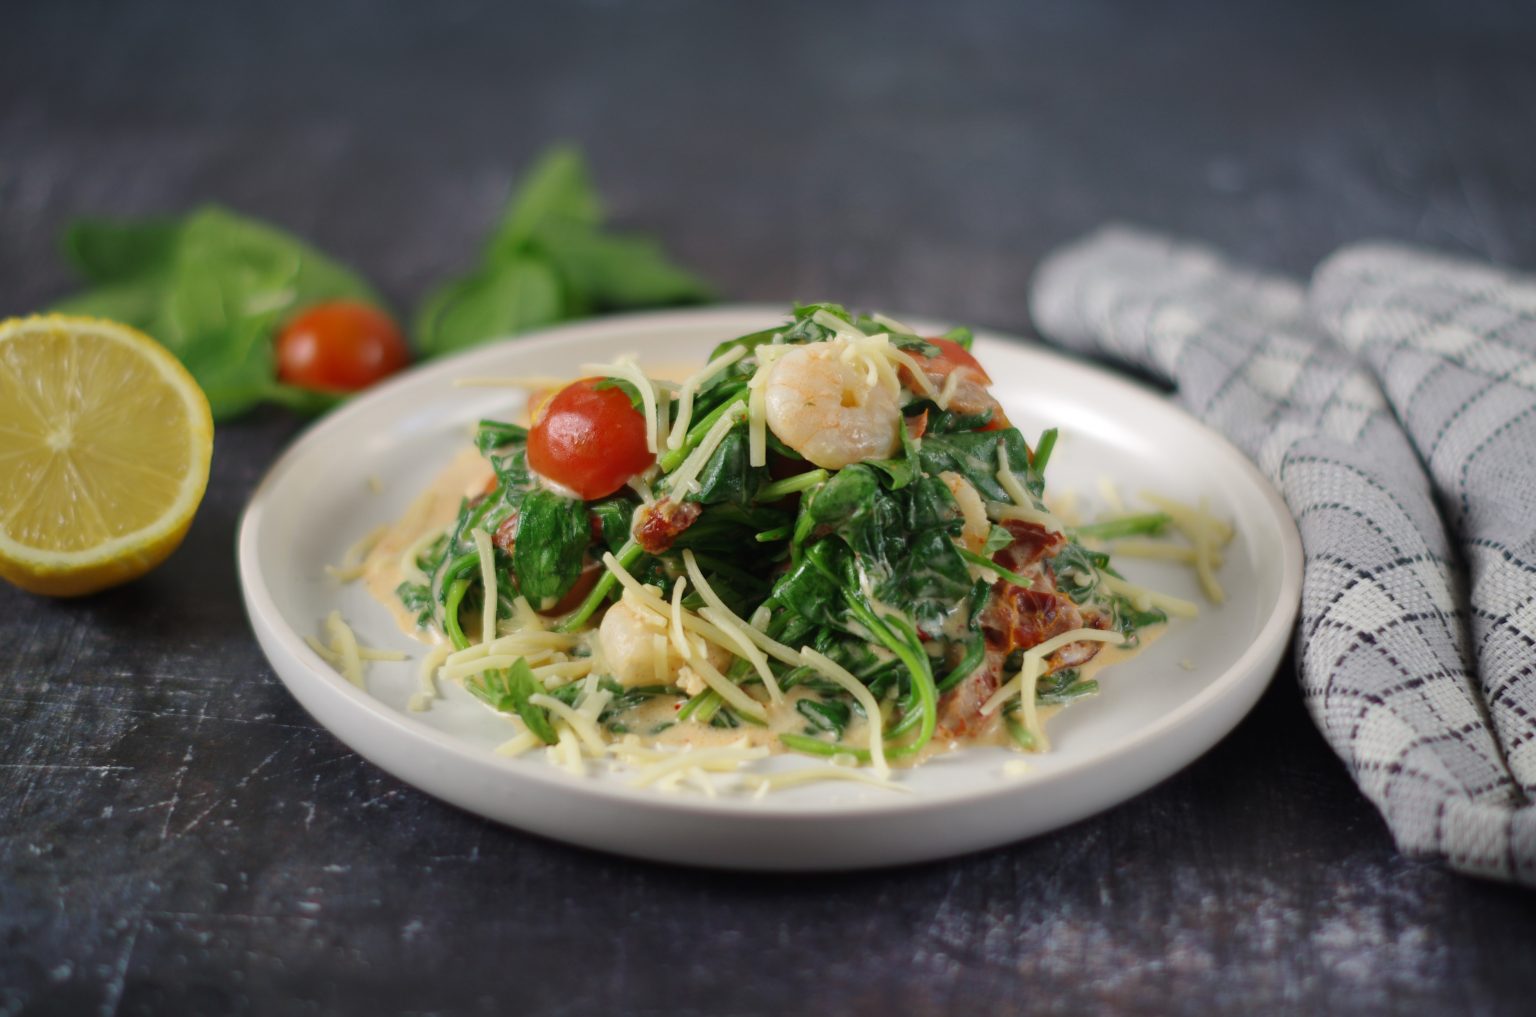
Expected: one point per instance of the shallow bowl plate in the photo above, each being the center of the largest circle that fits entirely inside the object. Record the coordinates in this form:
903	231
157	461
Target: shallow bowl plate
364	464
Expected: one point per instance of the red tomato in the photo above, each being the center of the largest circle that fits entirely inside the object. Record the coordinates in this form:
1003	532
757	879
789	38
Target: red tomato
340	346
589	439
953	356
972	395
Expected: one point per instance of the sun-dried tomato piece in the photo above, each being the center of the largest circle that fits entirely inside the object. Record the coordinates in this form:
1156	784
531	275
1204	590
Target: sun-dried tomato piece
1031	543
662	523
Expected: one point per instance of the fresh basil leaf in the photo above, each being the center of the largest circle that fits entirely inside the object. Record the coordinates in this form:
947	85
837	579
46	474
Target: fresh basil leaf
608	272
500	300
558	189
727	477
133	302
114	251
973	455
614	516
212	287
494	435
552	537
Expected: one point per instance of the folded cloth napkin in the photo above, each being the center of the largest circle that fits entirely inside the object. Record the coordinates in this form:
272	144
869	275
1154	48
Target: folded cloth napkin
1393	403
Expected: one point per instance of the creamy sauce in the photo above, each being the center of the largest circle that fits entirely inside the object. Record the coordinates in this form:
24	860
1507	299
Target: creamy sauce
438	506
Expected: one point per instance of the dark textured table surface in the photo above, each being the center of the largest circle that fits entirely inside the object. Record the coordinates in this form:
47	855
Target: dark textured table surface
176	834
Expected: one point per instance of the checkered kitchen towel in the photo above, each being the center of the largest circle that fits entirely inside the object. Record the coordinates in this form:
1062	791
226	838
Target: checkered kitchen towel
1393	403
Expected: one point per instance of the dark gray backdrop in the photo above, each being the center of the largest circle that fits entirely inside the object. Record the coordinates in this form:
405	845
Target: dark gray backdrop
176	835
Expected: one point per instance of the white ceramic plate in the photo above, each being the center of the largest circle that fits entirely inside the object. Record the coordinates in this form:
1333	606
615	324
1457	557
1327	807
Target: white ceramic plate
1155	714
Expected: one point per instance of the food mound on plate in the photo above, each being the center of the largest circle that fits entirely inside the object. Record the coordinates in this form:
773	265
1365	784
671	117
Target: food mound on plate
828	539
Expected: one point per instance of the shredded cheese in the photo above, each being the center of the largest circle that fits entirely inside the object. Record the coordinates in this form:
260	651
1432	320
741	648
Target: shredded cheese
891	323
1023	685
951	386
999	511
1132	547
351	566
1206	532
638	484
426	677
344	643
566	753
831	669
1142	598
1189	518
679	638
519	745
727	689
690	388
684	479
1009	482
582	725
1111	496
411	571
734	628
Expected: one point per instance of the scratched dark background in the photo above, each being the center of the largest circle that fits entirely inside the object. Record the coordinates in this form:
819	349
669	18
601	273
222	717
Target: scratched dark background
177	836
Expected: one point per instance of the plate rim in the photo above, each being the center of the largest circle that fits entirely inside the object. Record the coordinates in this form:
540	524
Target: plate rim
1236	684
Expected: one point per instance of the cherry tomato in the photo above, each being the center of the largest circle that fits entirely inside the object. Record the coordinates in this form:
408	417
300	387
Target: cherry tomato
340	346
972	395
589	439
953	356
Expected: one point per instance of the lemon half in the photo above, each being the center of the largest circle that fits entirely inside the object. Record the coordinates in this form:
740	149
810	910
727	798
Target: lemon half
105	441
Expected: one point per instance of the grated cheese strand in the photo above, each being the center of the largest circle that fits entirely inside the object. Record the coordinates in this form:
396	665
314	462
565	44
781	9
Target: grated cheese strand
1009	482
728	690
426	678
733	626
351	566
344	644
519	745
679	637
583	726
831	669
691	386
684	478
1142	597
409	570
1189	518
999	511
1024	683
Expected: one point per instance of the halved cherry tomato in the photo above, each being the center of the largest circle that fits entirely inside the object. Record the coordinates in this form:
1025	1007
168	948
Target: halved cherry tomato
340	346
952	356
971	396
589	439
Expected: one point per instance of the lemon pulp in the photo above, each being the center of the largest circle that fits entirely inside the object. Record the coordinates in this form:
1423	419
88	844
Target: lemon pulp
105	442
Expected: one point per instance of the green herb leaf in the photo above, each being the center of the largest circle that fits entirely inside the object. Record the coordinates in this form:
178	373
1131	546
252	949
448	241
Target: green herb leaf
508	690
212	287
557	189
501	299
552	538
